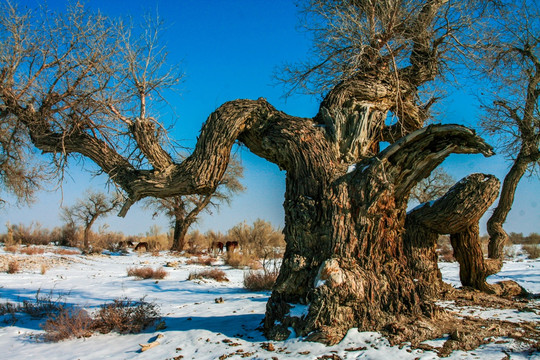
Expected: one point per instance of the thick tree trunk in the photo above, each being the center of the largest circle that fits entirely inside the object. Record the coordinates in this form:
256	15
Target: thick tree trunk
345	261
467	251
179	235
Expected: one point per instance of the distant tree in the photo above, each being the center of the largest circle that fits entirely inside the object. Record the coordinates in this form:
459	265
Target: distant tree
432	187
185	210
87	210
510	62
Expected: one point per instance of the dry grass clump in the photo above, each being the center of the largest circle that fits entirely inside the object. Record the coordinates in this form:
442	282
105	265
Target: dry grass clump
32	250
67	252
126	316
444	249
240	260
201	260
147	273
11	248
68	323
533	251
214	274
13	267
260	280
123	316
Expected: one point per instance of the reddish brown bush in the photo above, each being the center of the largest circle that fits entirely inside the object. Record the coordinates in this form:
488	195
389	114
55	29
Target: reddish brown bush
201	260
126	316
533	251
11	248
67	252
147	273
68	323
214	274
13	267
260	280
239	260
31	250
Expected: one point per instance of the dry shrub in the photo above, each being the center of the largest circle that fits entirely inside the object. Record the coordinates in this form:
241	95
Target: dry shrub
126	316
68	323
260	280
260	240
44	269
67	252
147	273
11	248
510	252
201	260
107	240
33	234
196	242
240	260
533	251
32	250
444	249
214	274
70	235
13	267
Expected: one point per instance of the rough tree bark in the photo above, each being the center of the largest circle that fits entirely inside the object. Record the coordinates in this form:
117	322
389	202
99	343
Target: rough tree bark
456	213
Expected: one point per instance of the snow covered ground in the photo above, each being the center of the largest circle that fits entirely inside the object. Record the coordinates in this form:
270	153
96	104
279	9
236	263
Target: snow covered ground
198	327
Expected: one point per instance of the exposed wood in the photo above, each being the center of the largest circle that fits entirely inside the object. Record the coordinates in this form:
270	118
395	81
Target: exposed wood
152	344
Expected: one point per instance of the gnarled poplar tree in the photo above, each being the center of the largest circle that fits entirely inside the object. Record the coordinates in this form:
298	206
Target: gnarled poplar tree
347	251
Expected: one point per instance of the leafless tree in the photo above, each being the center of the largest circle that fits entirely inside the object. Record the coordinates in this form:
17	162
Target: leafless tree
354	255
86	211
432	187
185	210
510	64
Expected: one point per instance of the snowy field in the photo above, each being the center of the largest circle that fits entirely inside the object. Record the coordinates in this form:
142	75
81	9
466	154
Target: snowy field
198	327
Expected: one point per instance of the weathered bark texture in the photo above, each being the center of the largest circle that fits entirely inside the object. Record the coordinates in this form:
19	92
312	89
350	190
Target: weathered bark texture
179	235
345	256
456	213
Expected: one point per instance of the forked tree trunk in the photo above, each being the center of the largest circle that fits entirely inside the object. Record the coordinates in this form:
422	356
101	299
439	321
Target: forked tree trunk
456	213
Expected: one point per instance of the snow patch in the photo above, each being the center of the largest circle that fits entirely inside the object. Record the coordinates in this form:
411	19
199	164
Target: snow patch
298	310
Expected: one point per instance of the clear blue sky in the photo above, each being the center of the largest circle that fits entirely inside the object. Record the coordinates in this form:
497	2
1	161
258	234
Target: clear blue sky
229	49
